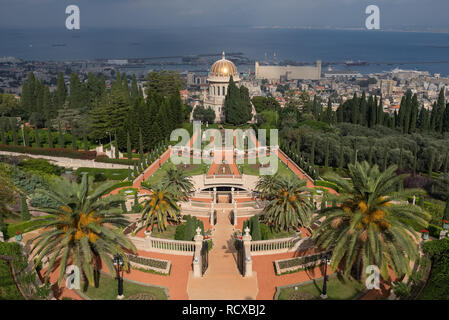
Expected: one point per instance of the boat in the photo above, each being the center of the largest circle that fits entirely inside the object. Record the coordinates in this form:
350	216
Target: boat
355	63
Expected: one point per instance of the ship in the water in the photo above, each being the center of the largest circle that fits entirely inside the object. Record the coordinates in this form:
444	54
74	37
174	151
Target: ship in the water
355	63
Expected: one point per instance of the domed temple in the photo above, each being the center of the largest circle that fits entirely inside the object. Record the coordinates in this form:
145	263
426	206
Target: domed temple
218	79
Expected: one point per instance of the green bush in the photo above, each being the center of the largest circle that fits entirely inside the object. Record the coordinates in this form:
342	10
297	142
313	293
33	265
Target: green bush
192	223
265	232
40	166
24	227
180	232
438	284
434	231
105	159
99	177
120	185
327	184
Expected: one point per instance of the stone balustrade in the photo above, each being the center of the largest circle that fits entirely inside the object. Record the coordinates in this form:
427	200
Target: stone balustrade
152	244
275	246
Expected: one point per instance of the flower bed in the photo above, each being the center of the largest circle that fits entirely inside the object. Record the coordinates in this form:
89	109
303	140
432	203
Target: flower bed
158	265
299	263
52	152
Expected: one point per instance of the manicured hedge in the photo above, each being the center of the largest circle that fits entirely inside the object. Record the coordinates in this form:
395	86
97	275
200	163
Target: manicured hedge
120	185
52	152
155	263
434	231
438	285
24	227
299	261
327	184
105	159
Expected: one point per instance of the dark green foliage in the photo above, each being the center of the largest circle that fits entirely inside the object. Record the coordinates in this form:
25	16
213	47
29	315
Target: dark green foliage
40	166
237	104
204	115
192	223
438	285
25	213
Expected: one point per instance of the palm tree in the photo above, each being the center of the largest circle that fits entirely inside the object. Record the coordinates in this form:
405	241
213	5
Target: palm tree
372	224
82	228
290	206
179	183
267	186
159	206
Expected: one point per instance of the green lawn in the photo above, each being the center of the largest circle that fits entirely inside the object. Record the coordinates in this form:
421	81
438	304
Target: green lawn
251	169
111	174
337	289
25	226
190	169
107	289
169	233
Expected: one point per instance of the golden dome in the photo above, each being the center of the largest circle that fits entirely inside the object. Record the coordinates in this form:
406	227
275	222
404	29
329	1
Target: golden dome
223	68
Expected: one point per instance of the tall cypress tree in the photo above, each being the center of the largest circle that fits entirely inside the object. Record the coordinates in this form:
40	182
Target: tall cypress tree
74	144
25	212
341	159
312	152
326	158
117	155
61	136
37	139
15	138
26	136
141	152
85	142
385	163
50	138
128	146
431	162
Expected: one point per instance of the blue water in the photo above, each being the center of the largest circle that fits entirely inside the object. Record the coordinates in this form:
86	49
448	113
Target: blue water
294	44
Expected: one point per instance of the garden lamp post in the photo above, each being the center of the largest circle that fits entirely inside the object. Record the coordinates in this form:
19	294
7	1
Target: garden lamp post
324	293
118	264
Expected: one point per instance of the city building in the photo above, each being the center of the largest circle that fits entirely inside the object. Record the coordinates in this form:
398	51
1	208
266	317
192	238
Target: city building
276	73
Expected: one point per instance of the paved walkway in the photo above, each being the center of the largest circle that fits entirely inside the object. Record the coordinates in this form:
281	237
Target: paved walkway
68	162
222	280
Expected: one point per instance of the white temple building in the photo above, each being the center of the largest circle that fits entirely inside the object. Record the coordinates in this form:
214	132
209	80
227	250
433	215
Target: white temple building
218	79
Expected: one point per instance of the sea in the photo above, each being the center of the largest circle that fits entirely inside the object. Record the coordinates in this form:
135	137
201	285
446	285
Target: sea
381	50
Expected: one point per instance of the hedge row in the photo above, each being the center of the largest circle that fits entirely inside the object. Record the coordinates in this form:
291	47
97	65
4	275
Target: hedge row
434	231
105	159
120	185
327	184
52	152
155	263
299	261
23	227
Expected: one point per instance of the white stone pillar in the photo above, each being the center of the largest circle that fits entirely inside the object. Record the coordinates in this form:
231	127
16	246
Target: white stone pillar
215	194
197	262
2	238
211	218
414	199
232	193
247	247
148	240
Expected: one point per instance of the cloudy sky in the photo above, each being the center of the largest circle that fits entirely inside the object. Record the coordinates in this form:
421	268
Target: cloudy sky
153	13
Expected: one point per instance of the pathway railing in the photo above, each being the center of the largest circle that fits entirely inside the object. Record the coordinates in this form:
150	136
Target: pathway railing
160	245
273	246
